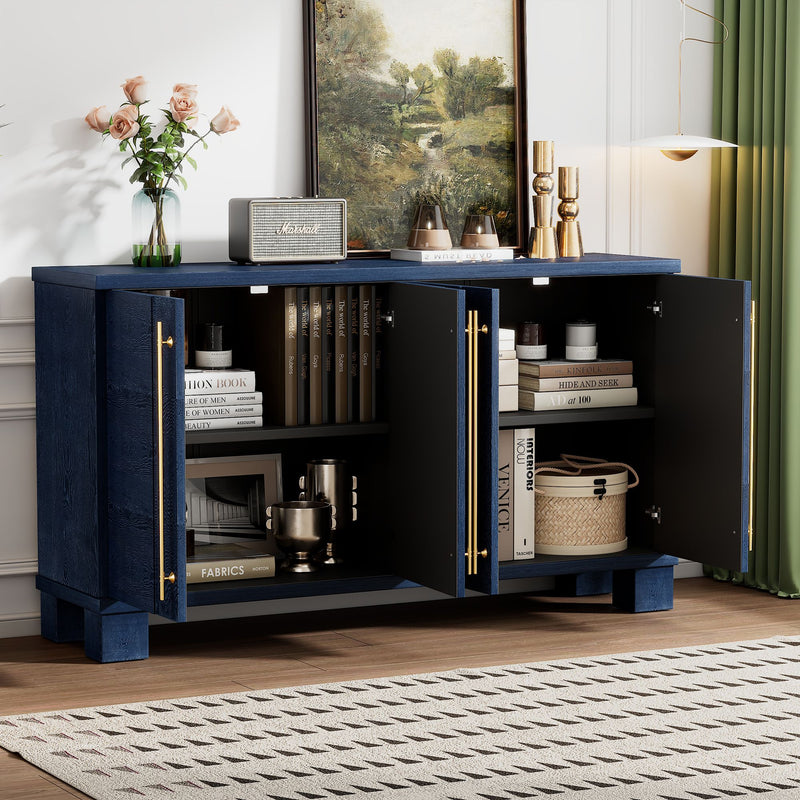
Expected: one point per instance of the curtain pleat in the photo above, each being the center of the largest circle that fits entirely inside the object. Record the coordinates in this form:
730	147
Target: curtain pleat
754	237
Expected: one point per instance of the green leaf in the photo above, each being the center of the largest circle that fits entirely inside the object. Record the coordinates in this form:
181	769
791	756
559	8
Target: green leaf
181	180
191	161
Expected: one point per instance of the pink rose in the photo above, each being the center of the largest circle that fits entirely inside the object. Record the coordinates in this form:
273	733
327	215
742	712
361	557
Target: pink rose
224	121
98	119
183	107
124	123
135	90
185	88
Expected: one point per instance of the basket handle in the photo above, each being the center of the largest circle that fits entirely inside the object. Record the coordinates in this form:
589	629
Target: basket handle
578	463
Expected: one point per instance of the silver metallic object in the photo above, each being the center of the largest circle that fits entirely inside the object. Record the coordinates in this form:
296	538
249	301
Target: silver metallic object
300	527
330	480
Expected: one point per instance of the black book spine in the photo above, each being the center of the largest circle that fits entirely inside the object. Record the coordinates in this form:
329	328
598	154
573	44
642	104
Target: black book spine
380	356
315	356
328	355
366	377
303	351
341	379
353	350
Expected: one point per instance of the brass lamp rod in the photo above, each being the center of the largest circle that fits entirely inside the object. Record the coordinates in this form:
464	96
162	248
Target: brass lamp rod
685	38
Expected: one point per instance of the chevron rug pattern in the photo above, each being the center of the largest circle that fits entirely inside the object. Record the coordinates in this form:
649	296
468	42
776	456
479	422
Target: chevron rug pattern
712	722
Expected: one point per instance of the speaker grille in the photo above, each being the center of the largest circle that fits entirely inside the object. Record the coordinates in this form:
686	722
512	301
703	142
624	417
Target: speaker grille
284	230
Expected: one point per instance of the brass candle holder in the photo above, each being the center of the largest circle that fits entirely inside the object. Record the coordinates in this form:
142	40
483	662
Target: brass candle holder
568	230
542	242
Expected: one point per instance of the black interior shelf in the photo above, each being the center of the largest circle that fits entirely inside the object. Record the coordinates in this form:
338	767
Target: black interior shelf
541	565
281	433
331	580
526	419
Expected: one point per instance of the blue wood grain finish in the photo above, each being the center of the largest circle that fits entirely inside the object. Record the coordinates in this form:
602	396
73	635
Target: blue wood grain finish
584	584
100	605
363	270
487	303
68	480
133	476
639	590
116	637
61	621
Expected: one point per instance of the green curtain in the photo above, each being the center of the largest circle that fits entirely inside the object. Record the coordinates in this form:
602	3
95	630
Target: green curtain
755	235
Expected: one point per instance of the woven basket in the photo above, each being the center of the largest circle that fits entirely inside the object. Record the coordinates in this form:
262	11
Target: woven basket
580	506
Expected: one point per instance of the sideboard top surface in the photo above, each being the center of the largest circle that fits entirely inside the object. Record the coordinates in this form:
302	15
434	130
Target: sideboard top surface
360	270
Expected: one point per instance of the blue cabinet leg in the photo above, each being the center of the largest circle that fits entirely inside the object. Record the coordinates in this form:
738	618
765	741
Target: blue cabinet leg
61	621
116	637
584	584
647	589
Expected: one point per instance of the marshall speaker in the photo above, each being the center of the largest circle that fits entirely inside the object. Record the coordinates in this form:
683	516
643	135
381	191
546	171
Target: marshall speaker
281	229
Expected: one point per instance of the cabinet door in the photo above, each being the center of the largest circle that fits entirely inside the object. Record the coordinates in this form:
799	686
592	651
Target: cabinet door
425	384
487	304
702	390
145	435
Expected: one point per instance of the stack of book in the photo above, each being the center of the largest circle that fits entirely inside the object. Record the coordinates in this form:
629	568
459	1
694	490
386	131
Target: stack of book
516	505
322	353
216	398
545	385
509	370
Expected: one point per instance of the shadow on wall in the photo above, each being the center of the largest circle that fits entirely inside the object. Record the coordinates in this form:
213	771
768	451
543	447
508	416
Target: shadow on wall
54	207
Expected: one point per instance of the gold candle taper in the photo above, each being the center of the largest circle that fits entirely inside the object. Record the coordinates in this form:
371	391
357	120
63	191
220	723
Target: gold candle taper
542	241
568	230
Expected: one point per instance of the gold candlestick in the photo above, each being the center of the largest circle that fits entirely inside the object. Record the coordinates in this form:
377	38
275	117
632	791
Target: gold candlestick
568	230
542	241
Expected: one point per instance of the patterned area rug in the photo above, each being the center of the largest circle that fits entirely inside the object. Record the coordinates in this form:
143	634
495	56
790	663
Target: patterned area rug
709	722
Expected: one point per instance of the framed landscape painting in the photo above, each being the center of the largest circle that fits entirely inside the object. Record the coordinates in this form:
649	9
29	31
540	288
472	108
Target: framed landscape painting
413	101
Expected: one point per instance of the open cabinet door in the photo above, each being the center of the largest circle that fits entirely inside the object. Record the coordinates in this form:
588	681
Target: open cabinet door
425	401
145	435
703	419
483	577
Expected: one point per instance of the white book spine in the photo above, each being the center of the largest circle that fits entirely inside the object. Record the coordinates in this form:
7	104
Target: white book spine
217	424
505	495
198	381
454	255
589	398
228	399
222	412
524	496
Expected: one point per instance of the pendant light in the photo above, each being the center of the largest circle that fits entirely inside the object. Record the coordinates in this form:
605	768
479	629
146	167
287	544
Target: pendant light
681	146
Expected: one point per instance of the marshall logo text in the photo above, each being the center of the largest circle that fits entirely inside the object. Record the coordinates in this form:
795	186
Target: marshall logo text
293	229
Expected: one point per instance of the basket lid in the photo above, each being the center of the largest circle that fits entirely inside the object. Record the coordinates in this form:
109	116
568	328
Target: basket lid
588	476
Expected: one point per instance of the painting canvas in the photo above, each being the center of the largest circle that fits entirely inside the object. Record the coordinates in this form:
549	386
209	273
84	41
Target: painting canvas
417	101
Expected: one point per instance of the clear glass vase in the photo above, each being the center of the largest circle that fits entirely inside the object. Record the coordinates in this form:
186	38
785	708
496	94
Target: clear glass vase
156	234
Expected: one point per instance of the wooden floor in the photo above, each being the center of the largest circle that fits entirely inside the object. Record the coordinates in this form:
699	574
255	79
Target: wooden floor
317	647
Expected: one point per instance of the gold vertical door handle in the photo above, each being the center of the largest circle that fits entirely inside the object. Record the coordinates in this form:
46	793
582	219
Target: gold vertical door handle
470	412
160	342
475	331
752	459
472	441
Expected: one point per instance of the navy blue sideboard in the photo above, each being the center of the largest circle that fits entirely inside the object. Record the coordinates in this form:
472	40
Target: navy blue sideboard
111	445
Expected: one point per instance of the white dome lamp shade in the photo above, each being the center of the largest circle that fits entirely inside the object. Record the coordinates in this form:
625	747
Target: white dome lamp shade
680	146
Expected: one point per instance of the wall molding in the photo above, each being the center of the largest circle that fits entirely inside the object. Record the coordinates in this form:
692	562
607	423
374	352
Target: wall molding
18	567
13	412
17	358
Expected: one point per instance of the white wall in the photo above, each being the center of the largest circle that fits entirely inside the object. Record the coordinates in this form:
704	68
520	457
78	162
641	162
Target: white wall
601	72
